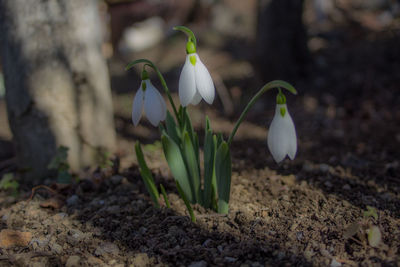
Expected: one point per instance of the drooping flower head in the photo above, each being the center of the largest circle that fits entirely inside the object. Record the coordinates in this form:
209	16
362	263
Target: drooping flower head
148	98
282	138
195	81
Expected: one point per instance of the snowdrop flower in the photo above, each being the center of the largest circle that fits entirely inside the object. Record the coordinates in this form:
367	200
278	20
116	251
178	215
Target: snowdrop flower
195	81
282	133
150	99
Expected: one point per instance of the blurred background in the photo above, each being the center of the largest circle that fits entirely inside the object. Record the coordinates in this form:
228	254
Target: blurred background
63	78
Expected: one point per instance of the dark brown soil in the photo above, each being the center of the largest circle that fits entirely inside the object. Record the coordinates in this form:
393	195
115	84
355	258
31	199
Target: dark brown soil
293	214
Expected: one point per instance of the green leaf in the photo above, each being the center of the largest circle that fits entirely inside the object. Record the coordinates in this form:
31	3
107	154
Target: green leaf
188	124
220	139
165	196
176	163
146	175
223	171
172	130
210	146
186	201
208	125
192	164
371	212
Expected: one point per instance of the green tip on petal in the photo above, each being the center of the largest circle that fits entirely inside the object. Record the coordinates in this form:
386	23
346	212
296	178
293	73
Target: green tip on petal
190	47
280	98
145	75
283	112
193	60
144	86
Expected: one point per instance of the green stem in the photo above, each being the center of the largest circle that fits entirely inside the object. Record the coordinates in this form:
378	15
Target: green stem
265	88
188	32
163	83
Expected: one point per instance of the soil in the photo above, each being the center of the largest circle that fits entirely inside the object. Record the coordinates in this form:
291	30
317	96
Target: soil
298	213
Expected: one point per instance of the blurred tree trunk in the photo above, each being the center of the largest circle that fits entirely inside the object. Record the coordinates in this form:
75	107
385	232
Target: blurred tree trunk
57	83
281	45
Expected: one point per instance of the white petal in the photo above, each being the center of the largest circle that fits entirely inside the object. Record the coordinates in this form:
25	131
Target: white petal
291	130
204	83
137	106
196	99
152	106
280	135
187	85
162	105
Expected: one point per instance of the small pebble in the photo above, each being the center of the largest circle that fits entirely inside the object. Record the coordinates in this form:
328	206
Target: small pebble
56	248
73	261
72	200
334	263
198	264
324	167
346	187
116	179
230	259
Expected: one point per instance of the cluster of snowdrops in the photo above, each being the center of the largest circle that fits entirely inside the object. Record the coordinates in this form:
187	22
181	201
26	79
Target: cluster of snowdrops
208	185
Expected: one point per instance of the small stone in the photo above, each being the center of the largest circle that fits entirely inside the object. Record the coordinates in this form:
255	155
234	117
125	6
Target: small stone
346	187
116	179
74	237
93	261
59	216
72	200
335	263
230	259
299	235
107	247
324	167
328	184
308	167
56	248
198	264
73	261
113	209
141	259
205	244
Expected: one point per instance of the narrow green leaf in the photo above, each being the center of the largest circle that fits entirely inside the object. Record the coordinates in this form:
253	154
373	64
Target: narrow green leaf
210	143
208	125
165	196
172	128
196	147
176	163
186	201
188	123
220	139
223	171
146	175
192	164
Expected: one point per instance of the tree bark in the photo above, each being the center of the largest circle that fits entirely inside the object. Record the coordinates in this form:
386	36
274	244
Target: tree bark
57	82
281	46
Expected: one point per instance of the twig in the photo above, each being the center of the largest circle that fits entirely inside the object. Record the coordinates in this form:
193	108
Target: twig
41	187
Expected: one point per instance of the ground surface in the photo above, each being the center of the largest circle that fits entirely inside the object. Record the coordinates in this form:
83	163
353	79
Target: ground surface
293	214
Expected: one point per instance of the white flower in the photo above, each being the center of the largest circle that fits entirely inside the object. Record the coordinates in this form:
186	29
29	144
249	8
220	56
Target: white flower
154	104
282	135
195	82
